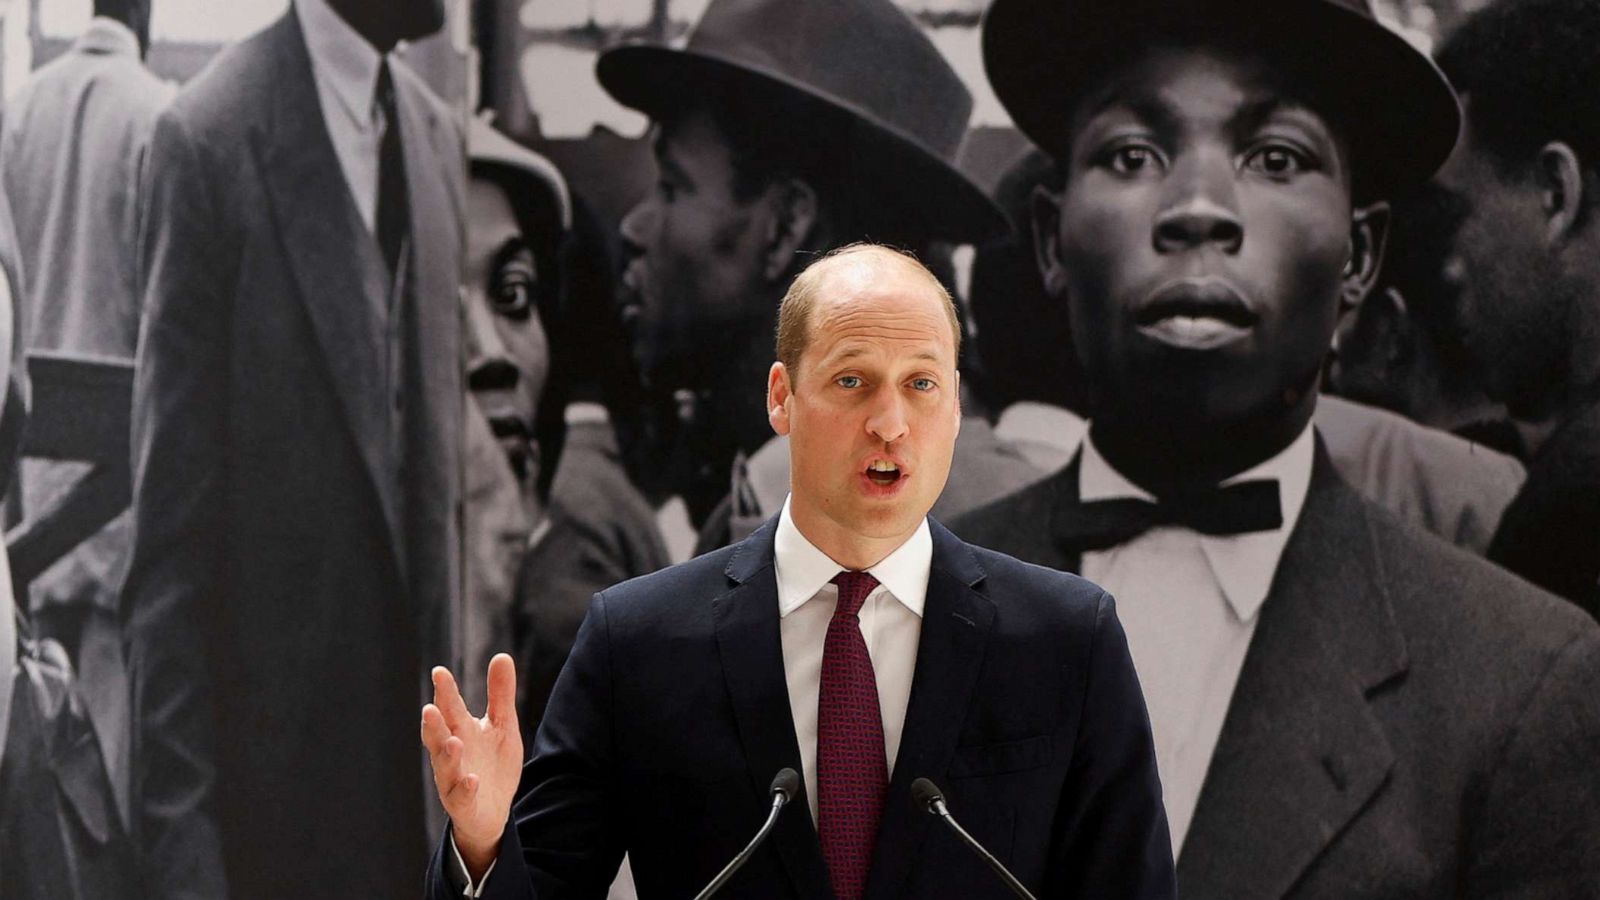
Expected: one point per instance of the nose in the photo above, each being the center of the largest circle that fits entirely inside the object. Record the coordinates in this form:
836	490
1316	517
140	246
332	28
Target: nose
1202	209
489	365
887	421
636	226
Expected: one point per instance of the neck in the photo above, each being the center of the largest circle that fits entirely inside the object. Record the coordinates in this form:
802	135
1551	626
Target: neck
1164	457
849	549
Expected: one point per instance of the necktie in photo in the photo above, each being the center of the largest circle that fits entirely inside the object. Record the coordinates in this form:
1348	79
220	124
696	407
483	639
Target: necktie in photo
1235	509
852	769
392	213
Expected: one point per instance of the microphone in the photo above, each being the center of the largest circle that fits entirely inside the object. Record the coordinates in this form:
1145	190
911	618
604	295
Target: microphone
785	785
930	800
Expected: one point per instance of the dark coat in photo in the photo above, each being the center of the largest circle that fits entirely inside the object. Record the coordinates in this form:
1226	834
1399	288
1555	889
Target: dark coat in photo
296	552
1410	721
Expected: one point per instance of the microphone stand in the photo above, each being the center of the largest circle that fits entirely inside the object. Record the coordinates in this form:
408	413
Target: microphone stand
932	800
783	787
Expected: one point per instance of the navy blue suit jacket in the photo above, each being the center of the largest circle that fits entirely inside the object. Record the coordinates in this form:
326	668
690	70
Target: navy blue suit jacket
672	716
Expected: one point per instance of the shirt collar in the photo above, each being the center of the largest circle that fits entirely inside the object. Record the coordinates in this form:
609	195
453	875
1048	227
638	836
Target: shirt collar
803	570
1244	564
341	58
107	35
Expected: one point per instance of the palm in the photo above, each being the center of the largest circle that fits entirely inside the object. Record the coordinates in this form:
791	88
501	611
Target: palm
477	761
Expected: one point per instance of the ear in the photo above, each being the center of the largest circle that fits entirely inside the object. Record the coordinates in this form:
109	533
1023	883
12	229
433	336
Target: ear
779	390
794	218
1560	180
1047	241
1369	232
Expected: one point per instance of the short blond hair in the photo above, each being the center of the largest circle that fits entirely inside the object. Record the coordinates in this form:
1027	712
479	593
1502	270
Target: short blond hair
795	310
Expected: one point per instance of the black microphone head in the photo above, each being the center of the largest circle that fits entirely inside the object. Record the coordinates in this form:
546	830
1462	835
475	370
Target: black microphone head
787	783
925	793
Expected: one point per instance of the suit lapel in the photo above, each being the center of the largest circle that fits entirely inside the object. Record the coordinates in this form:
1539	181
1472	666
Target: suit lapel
1300	752
752	662
318	222
955	630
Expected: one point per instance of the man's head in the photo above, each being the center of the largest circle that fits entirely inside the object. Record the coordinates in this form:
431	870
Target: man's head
1217	204
808	125
385	23
516	214
133	13
1525	183
866	389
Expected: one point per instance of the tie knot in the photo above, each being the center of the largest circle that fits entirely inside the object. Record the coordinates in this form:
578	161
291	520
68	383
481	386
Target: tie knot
383	92
853	590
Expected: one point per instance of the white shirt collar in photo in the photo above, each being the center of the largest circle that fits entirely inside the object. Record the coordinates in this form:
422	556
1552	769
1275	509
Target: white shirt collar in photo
1243	563
802	570
344	66
341	58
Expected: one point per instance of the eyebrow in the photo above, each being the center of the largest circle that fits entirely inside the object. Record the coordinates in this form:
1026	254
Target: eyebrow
509	250
855	352
1163	116
668	164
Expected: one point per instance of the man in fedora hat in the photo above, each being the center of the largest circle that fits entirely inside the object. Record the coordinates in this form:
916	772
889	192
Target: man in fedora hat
783	130
1342	705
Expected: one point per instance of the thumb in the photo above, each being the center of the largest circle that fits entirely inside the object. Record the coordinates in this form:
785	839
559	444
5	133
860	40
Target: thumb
502	692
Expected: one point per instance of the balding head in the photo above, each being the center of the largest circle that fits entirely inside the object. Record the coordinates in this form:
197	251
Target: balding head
840	275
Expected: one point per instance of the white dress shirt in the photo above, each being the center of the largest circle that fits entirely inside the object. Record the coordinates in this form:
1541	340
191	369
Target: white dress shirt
1189	603
891	624
344	66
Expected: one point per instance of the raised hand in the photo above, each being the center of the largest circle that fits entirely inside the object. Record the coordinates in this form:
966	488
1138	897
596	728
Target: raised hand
477	762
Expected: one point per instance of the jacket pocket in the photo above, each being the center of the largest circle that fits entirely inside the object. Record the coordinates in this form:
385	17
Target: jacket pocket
996	759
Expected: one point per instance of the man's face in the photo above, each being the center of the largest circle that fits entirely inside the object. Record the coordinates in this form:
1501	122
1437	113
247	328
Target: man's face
508	356
694	248
387	22
1201	239
872	409
1504	278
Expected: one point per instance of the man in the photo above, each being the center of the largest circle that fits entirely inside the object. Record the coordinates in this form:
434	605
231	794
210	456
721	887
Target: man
851	639
783	130
1526	264
1424	476
1342	706
1403	347
297	407
60	834
71	149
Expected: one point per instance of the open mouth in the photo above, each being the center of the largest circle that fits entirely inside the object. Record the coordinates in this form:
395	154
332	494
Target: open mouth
884	473
1196	314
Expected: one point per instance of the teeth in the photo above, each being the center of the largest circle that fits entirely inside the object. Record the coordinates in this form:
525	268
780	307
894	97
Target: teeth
882	465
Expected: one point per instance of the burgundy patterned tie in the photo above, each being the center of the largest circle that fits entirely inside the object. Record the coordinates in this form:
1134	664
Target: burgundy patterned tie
852	773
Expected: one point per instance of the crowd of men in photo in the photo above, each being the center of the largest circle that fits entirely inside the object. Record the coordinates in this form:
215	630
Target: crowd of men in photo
1281	332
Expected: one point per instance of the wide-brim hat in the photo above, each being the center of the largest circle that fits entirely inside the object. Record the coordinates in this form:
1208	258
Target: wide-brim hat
1397	109
488	147
877	83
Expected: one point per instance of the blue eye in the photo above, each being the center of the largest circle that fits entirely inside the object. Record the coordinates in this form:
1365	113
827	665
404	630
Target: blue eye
923	384
848	381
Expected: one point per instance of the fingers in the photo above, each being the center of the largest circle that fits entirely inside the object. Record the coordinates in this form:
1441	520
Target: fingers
447	697
502	692
434	731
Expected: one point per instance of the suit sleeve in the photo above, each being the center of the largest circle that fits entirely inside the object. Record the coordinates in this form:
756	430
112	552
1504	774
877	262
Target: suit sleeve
172	587
565	839
1114	837
1537	832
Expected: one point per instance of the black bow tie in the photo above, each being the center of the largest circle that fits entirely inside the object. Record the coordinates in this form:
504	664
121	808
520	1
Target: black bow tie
1236	509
